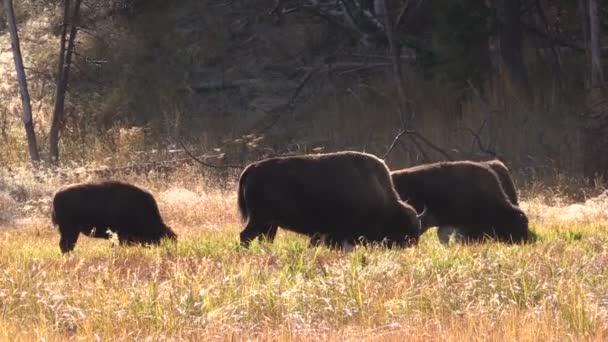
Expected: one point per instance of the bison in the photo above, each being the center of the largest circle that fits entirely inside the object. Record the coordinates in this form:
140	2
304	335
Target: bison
504	176
465	196
93	208
346	196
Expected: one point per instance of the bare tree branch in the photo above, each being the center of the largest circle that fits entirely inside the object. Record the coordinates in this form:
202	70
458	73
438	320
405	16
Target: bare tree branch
390	149
425	155
406	10
477	139
431	145
287	107
554	39
413	134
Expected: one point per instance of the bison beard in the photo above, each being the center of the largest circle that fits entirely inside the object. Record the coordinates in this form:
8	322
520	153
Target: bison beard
346	196
465	196
92	208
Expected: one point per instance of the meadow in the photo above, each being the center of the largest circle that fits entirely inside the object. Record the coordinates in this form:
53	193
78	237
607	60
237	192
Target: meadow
206	287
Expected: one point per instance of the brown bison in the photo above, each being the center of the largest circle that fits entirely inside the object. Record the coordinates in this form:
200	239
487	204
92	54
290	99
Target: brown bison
93	208
465	196
504	176
347	197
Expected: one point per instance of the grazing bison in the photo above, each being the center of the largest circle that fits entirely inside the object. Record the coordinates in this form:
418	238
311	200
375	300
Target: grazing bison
504	176
345	196
92	208
464	194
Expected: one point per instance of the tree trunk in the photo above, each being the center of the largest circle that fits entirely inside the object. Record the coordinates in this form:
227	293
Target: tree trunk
383	13
511	37
596	76
25	95
595	125
553	58
65	61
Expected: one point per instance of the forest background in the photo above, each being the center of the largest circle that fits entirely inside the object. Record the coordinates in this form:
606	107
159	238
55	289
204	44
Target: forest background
115	82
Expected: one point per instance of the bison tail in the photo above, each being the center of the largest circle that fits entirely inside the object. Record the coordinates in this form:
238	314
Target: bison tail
169	233
241	196
53	217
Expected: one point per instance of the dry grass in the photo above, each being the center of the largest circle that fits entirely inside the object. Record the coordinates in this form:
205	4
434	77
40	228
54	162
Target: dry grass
206	287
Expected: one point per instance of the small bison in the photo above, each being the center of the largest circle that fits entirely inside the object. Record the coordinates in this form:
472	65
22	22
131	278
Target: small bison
504	176
92	208
465	196
346	196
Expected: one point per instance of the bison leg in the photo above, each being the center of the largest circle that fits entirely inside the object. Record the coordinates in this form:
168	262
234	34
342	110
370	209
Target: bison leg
347	246
269	234
251	231
428	221
328	240
444	233
316	239
474	235
125	240
68	239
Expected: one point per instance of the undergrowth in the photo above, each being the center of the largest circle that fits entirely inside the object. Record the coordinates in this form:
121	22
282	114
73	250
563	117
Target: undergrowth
206	286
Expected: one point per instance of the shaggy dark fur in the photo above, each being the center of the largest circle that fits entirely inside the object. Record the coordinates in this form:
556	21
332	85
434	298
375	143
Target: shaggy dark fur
346	196
93	208
504	176
463	194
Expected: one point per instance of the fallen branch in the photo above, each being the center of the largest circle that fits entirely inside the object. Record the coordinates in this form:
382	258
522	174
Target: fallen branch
431	145
477	139
413	134
221	85
227	166
287	107
340	66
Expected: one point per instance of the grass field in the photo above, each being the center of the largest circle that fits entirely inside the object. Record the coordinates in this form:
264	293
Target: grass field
206	287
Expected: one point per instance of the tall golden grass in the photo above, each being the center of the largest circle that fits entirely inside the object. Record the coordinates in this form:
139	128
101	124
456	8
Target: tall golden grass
207	287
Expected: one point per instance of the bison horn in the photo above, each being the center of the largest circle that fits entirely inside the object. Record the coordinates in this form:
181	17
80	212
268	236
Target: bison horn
422	214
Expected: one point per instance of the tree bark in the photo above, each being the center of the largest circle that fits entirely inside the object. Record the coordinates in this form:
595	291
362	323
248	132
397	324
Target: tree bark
383	13
65	61
596	76
28	122
595	125
511	38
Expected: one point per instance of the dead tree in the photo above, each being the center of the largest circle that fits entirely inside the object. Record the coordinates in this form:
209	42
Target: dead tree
511	41
65	61
28	122
595	121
